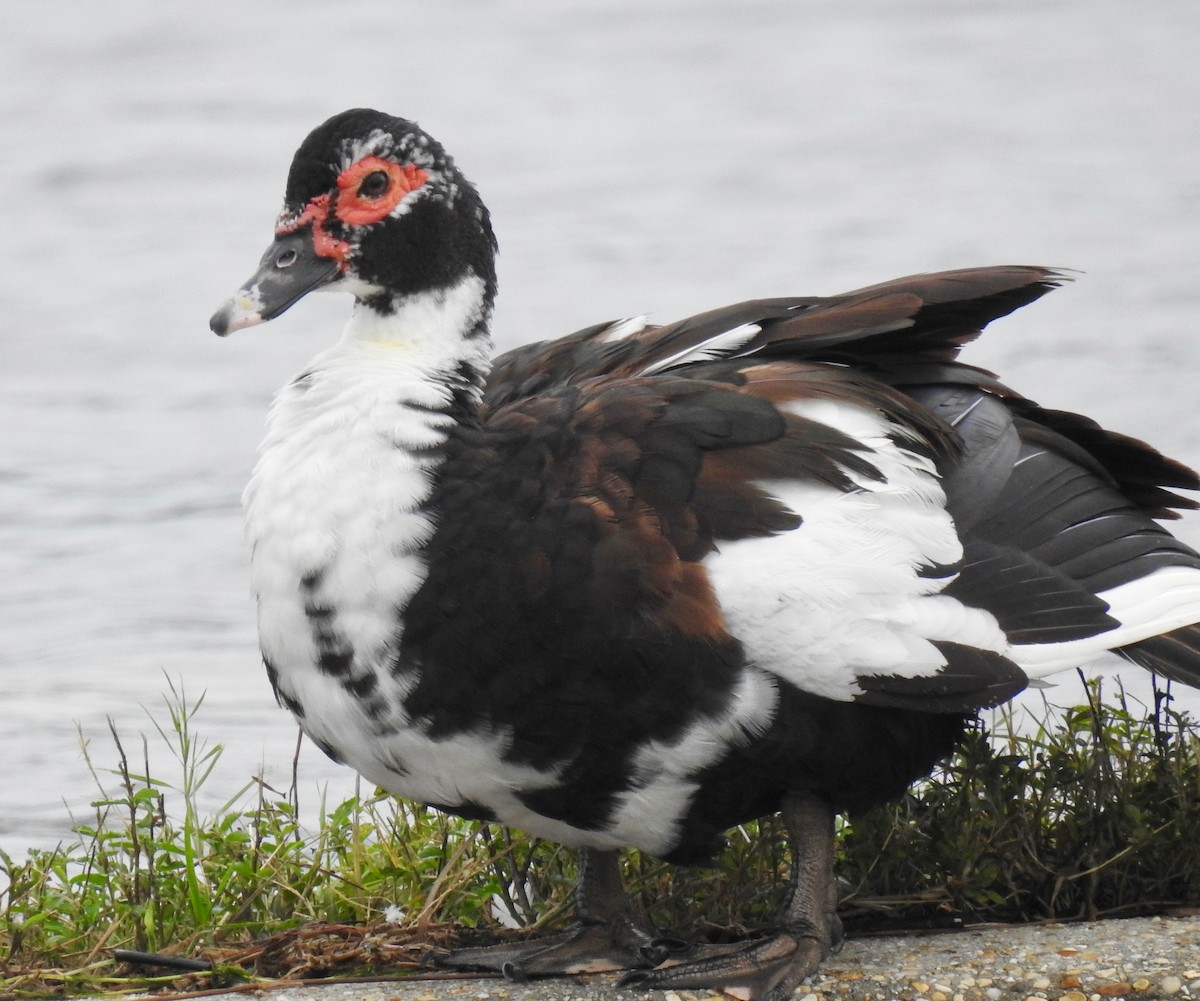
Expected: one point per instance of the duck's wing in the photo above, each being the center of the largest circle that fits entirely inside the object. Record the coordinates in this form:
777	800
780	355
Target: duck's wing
904	322
817	485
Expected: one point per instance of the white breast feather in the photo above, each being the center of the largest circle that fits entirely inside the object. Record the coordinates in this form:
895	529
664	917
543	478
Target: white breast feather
334	497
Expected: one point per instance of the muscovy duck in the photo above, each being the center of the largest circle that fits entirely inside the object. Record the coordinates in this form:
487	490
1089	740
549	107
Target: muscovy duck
635	586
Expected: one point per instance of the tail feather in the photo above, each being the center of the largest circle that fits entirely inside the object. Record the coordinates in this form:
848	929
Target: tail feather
1174	655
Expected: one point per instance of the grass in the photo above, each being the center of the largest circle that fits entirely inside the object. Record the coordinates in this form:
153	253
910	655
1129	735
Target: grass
1095	814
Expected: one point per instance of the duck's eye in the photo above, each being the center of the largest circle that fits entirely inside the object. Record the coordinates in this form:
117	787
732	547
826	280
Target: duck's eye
374	185
370	189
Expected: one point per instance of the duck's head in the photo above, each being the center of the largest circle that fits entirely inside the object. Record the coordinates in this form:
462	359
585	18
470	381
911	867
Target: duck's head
375	207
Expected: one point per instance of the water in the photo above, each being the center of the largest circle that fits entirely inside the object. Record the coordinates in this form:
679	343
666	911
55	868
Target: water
662	157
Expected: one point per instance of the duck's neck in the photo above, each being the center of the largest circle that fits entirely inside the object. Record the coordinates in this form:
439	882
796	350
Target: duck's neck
442	334
388	392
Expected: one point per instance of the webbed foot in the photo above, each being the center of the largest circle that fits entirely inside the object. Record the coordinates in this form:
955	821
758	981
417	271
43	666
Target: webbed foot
771	968
606	937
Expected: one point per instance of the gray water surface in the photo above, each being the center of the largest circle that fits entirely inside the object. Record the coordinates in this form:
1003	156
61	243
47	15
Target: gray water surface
661	157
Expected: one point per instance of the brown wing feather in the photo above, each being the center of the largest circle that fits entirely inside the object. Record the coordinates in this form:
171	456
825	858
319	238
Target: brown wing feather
920	317
904	332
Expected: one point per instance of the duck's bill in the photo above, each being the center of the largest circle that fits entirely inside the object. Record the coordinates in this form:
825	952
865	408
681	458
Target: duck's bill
289	270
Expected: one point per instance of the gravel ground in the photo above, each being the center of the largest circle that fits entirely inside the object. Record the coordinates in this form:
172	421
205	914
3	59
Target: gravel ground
1142	958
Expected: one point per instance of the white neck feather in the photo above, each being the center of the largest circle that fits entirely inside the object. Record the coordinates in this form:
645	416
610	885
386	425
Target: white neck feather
436	329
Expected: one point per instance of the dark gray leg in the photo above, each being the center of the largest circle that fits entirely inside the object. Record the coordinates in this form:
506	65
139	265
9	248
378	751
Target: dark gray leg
770	969
605	937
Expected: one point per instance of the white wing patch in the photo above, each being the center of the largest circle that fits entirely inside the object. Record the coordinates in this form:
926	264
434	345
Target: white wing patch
718	346
842	595
663	778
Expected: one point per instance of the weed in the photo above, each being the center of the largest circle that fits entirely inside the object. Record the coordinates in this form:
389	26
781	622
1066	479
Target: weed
1097	814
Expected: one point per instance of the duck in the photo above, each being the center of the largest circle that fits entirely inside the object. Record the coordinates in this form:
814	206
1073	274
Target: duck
629	588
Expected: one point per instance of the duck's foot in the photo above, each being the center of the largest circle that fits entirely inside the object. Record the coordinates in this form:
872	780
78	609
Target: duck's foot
770	969
587	948
765	970
605	938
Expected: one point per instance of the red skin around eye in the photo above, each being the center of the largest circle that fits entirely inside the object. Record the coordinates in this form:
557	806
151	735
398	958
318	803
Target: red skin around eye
351	208
354	210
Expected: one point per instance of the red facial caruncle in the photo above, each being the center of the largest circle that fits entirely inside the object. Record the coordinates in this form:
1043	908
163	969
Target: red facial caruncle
367	191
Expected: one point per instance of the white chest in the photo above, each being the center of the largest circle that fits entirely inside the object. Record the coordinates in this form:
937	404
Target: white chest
336	527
